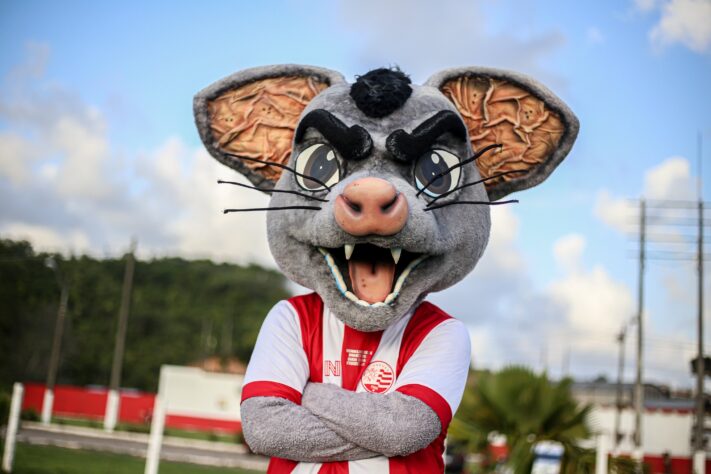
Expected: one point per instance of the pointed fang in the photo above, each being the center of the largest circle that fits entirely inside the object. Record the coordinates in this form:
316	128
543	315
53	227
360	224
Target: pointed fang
349	250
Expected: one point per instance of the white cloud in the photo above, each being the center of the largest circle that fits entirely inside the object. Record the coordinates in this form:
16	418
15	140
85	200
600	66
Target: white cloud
595	305
568	252
506	315
513	320
577	315
198	223
687	22
178	209
680	288
617	213
47	238
16	156
483	354
501	254
83	146
64	186
424	37
645	5
669	180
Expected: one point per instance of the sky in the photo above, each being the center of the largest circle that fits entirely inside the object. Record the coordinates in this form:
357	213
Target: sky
98	145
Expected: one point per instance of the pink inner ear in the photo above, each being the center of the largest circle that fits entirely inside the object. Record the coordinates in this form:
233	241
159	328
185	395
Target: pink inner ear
257	120
497	111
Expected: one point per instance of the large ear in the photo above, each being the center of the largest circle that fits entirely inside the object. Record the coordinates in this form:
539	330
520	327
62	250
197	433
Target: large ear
536	129
253	114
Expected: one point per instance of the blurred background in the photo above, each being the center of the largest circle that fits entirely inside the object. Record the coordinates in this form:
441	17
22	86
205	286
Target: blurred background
98	147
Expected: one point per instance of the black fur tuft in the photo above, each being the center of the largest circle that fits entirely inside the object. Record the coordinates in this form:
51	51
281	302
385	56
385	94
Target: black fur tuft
381	91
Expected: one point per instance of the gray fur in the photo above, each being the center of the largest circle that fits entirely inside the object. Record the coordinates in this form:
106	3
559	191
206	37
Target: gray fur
277	427
572	125
239	79
454	237
394	424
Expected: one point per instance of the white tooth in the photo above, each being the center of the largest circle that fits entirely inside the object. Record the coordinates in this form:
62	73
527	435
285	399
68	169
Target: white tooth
396	252
349	250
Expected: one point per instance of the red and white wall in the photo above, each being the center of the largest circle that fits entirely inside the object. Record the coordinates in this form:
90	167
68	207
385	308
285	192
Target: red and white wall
135	407
663	431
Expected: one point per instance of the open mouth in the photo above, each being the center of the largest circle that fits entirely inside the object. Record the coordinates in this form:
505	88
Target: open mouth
370	275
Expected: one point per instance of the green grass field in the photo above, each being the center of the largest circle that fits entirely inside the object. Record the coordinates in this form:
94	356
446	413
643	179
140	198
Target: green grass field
30	459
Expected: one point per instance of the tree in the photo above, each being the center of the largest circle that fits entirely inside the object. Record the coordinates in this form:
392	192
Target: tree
526	408
180	312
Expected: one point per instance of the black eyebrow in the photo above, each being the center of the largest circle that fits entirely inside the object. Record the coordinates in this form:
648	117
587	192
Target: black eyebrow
408	147
353	143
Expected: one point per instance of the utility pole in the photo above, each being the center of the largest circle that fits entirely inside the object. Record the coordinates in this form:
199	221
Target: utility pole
48	401
639	389
620	373
673	217
660	216
699	445
112	401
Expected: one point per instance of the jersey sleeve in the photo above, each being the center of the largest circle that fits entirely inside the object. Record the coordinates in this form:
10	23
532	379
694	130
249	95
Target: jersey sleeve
436	373
278	367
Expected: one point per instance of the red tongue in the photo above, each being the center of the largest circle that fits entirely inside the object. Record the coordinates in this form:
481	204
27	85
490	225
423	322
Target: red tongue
372	281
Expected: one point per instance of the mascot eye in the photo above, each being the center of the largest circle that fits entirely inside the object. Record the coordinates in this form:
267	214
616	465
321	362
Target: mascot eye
432	164
319	162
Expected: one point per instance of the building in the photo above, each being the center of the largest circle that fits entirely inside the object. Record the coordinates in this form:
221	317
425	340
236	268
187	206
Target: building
667	422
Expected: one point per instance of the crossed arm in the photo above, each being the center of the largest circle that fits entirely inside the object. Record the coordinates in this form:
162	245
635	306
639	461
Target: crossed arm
333	424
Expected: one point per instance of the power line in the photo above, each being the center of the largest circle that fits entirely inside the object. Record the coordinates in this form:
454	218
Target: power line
667	238
678	221
669	203
673	255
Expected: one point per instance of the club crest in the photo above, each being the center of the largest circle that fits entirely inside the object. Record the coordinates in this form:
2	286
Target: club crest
378	377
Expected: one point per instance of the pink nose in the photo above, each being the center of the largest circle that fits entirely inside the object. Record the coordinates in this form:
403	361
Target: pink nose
371	206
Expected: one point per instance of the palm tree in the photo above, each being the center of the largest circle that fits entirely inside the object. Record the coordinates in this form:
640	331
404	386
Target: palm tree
526	408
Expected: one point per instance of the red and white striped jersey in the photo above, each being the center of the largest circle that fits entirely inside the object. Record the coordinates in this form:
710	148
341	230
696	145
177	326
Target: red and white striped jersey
426	355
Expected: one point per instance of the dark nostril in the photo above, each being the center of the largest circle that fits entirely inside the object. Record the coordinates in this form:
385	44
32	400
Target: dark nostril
351	204
390	204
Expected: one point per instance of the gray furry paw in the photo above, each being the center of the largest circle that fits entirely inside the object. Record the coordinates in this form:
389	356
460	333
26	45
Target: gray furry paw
393	425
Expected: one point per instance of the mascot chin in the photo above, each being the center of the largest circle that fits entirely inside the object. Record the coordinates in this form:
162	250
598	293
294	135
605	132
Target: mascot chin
380	194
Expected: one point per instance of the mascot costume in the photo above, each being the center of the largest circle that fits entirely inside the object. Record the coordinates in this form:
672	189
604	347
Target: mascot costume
380	194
